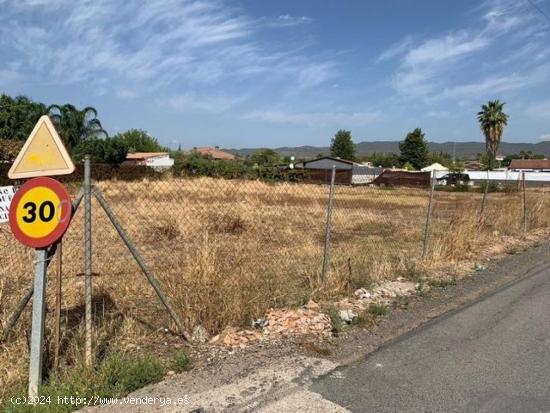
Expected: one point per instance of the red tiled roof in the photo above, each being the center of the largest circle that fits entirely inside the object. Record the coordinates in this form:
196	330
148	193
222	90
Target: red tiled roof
144	155
530	164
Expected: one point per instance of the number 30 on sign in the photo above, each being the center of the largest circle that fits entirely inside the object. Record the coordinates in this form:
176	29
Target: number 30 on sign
40	212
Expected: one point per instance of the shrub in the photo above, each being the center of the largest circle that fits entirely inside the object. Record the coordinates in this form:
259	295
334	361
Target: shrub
335	320
127	376
180	361
377	310
442	282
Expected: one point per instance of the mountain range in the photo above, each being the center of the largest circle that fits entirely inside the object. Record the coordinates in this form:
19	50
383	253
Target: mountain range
461	150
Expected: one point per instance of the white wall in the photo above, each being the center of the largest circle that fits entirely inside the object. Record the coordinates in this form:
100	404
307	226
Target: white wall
508	176
160	162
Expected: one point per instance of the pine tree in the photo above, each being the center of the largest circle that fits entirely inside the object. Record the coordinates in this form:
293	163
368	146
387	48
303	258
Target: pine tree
414	149
342	145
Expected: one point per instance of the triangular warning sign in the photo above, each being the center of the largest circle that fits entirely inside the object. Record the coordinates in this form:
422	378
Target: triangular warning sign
43	154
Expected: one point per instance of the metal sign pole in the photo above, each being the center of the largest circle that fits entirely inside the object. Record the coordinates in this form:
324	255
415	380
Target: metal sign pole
31	213
38	313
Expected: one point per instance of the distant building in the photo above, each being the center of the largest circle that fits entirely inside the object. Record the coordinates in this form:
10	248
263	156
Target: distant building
509	177
531	165
439	169
347	172
473	165
156	160
215	153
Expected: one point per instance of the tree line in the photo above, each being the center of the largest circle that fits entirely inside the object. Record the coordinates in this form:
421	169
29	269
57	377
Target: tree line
414	151
83	133
80	129
413	154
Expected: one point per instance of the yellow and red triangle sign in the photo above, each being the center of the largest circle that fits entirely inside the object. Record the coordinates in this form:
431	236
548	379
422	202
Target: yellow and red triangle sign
43	154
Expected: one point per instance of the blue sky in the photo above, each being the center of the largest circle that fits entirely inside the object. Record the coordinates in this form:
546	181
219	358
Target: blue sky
248	73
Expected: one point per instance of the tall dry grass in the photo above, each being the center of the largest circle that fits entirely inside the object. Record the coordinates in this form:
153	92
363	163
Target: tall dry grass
226	251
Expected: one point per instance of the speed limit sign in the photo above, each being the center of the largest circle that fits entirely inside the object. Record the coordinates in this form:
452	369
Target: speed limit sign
40	212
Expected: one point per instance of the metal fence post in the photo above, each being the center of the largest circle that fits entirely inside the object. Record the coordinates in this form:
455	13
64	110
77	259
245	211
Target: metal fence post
38	314
524	204
88	257
428	216
329	224
484	199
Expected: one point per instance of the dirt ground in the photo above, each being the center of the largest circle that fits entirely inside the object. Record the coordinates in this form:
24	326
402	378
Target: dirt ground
261	377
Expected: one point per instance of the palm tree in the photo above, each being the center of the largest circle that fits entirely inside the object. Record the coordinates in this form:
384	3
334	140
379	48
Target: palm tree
492	121
76	125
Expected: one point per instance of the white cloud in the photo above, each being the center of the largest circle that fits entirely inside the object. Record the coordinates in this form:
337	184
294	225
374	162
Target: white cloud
286	20
146	45
435	64
314	118
311	76
445	48
438	114
422	65
491	85
396	49
545	137
192	102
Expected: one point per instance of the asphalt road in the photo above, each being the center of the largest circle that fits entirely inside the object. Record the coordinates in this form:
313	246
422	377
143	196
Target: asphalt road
492	356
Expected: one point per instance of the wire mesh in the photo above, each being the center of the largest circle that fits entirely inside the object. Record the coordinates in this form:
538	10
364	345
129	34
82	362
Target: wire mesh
375	231
226	250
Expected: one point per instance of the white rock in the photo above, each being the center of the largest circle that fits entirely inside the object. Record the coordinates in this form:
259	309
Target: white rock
200	335
362	293
347	316
479	267
260	323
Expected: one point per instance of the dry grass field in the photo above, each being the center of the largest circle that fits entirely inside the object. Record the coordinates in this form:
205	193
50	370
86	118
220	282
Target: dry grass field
226	251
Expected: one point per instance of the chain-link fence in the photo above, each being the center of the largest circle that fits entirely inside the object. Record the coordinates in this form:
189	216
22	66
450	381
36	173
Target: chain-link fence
226	250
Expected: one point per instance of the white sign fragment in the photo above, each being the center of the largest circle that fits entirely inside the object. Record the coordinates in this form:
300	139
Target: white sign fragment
6	195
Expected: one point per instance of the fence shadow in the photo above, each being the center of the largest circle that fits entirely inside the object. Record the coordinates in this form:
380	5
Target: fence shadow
107	319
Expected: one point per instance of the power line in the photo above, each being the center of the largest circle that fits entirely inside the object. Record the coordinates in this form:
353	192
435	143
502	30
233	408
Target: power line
537	8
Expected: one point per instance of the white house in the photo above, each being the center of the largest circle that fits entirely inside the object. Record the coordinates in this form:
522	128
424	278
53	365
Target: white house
157	160
440	170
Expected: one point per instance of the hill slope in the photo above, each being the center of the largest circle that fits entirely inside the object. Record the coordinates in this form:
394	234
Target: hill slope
464	150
